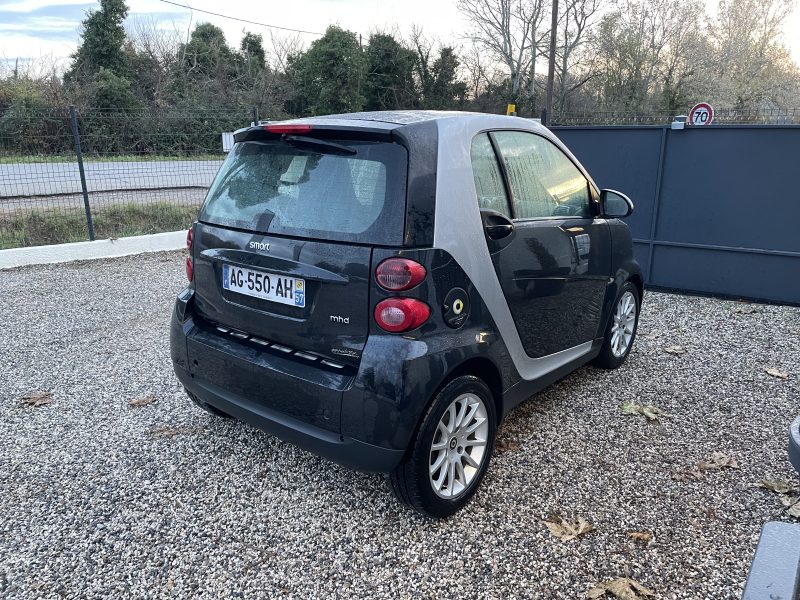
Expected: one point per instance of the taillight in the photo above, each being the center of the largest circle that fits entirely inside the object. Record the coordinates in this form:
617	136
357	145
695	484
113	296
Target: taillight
396	315
287	128
399	274
189	264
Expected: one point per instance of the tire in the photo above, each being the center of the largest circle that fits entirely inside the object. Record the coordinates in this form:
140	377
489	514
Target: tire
467	403
212	410
612	354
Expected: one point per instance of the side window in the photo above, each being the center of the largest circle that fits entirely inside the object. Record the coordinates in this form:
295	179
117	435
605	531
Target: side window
488	178
544	182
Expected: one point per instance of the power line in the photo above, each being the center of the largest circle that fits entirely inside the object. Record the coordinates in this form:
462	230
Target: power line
242	20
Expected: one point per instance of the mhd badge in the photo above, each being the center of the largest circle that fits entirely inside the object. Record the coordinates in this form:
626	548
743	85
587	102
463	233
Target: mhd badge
456	308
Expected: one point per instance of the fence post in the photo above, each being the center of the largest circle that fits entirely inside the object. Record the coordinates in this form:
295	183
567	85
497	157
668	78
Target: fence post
648	273
76	139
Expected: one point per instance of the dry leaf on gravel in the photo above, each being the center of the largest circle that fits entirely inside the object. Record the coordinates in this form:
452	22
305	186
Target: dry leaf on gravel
675	350
168	432
37	398
652	413
779	486
786	491
777	373
143	401
641	536
718	461
566	530
745	310
622	588
693	473
503	446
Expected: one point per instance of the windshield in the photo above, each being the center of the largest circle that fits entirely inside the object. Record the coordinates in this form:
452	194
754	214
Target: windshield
350	191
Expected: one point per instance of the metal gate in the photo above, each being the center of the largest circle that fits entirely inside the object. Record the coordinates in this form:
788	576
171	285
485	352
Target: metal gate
717	207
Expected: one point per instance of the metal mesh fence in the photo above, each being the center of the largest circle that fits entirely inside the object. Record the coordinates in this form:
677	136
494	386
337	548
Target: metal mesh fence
145	171
725	116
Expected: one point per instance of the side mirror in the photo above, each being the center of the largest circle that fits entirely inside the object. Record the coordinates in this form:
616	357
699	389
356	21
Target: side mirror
615	205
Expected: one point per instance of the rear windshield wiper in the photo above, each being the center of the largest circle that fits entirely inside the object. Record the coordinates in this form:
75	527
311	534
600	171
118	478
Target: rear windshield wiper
323	146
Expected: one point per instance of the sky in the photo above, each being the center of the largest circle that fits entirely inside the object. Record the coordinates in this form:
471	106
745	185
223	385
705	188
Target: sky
50	28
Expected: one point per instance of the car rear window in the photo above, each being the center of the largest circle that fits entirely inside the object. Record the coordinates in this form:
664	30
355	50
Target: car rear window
340	190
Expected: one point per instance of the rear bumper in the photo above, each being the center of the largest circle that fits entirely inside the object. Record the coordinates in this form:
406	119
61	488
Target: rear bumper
346	451
362	417
794	444
271	394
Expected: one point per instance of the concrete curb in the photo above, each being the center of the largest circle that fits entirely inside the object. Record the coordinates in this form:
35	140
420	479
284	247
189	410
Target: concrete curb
59	253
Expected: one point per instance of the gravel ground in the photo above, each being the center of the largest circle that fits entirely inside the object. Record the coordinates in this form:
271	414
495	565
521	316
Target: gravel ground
93	503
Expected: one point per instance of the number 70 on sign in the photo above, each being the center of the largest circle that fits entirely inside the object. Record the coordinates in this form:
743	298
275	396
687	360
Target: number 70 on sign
701	114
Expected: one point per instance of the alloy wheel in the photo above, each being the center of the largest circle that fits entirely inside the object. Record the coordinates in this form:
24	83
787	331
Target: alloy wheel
623	326
458	450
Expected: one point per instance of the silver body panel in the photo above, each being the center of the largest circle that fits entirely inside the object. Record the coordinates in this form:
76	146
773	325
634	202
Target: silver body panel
458	229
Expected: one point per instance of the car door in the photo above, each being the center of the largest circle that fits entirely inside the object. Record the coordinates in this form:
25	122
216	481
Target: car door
554	264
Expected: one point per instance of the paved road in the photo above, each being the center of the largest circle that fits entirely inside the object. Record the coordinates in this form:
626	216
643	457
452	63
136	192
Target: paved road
48	179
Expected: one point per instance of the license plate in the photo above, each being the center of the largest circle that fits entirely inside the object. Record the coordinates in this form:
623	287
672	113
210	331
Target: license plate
267	286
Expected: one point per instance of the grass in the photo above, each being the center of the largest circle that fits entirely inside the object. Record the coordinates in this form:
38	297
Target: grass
42	227
70	158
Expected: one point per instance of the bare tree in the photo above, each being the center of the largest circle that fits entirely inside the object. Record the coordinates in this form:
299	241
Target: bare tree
632	44
510	30
751	64
574	66
476	70
153	52
422	47
283	46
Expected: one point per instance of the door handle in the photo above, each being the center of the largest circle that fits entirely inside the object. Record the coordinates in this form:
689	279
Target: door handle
497	226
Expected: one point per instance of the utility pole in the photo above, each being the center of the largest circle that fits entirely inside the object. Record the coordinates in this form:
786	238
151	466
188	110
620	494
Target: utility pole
551	67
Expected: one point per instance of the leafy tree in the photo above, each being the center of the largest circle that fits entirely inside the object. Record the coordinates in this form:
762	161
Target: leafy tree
256	83
444	89
152	54
108	90
390	74
102	42
252	52
207	55
330	76
438	81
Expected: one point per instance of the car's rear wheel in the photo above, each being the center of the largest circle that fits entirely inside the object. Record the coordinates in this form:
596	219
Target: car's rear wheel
621	329
451	450
213	410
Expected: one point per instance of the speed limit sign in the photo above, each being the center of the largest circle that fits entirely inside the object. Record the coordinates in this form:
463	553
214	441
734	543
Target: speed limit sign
701	114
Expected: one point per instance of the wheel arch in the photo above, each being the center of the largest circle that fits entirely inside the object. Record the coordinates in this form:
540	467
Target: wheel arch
636	279
482	368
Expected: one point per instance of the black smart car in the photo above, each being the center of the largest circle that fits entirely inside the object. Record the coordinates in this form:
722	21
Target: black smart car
383	288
